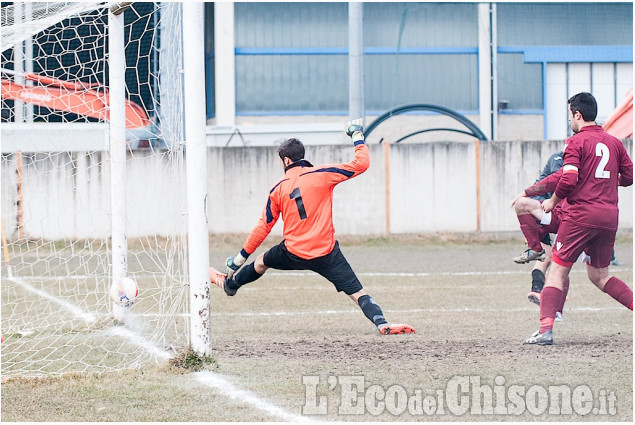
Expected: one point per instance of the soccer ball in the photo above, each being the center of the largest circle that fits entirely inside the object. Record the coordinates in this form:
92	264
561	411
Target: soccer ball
124	292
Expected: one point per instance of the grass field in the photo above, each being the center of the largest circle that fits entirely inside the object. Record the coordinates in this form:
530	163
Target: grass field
289	344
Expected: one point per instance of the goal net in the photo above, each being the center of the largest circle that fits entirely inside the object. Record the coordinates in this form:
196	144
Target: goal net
57	315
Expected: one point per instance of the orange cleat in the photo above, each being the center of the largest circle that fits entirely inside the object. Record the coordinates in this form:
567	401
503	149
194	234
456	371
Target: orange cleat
220	279
395	329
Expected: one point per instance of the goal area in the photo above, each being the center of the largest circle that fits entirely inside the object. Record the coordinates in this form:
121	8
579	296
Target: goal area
96	187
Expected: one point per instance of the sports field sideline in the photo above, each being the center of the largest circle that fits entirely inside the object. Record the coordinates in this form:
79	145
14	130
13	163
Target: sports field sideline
289	348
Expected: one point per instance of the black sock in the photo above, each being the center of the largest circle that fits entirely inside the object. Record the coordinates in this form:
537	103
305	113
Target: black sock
537	280
244	276
371	310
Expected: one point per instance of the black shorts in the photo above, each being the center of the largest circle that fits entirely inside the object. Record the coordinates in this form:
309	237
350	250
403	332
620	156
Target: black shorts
333	266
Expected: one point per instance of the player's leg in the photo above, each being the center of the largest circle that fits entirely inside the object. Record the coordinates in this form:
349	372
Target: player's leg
611	285
373	312
570	243
369	307
563	299
277	257
248	273
549	224
335	268
539	271
553	294
530	206
538	283
529	214
600	253
550	299
552	227
565	289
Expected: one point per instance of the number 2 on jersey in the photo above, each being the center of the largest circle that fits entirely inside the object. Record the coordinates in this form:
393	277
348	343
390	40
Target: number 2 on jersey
298	202
603	151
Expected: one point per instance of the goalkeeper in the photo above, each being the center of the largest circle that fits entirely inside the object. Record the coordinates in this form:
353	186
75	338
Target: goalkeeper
304	197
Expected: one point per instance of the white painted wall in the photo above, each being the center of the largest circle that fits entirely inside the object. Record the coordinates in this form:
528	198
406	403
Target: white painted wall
433	187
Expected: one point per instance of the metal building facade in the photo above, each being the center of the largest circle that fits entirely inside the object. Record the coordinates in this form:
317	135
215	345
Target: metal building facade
292	58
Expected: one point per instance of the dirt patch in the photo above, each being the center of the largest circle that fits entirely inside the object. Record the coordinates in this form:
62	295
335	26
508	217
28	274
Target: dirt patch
398	348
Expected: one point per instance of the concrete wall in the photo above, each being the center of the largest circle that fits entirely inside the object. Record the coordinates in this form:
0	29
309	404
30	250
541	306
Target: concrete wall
430	187
433	187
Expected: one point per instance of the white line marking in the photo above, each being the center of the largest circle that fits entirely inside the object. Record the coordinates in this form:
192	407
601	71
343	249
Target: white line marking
78	312
216	381
414	310
139	341
68	277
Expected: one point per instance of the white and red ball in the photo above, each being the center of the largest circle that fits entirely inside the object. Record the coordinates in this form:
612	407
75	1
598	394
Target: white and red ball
124	292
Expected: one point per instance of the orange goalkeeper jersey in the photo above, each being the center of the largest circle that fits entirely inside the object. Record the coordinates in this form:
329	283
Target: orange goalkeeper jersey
304	197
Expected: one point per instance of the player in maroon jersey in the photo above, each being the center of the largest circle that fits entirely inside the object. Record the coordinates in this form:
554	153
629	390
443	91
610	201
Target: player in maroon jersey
537	226
595	163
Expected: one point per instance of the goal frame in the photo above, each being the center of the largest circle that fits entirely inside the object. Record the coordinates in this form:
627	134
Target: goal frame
196	163
181	286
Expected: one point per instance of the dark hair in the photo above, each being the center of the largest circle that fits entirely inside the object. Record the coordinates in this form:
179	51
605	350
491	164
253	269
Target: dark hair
585	104
292	149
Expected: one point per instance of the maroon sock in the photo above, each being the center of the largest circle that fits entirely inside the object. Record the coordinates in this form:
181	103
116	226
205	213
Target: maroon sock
529	227
565	291
550	298
620	291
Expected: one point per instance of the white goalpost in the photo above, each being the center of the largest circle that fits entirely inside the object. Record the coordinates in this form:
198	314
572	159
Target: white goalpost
104	176
198	248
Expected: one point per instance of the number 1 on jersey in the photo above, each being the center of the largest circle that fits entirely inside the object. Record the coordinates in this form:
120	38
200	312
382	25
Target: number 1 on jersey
298	201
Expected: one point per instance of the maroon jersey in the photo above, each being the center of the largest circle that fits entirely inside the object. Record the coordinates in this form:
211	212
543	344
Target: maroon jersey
546	185
602	164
